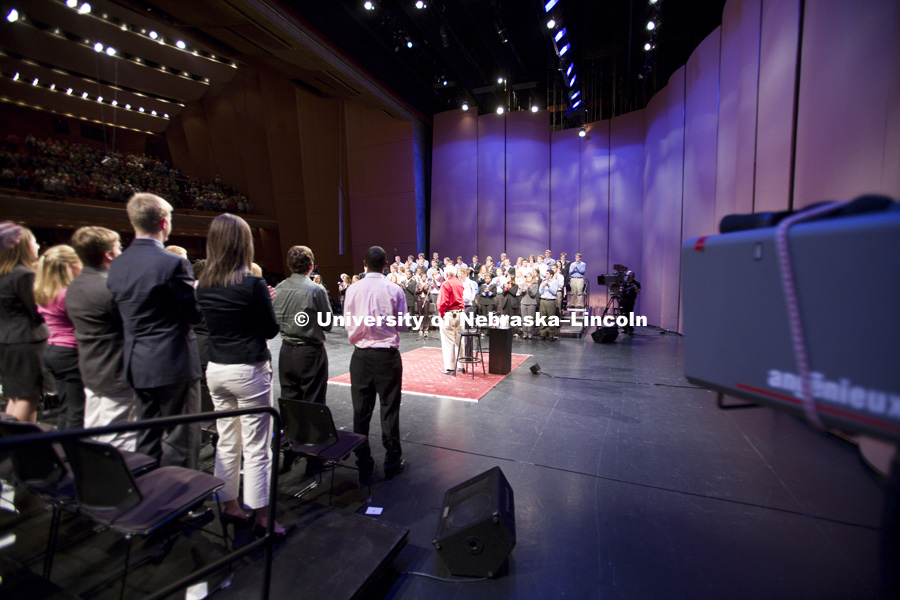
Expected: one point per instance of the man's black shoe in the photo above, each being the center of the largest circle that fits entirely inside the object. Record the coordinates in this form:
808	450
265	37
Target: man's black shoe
395	470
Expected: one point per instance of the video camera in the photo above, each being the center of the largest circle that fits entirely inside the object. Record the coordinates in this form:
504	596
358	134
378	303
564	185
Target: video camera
614	280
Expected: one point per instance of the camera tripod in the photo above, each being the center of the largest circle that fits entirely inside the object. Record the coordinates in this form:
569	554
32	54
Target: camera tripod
614	302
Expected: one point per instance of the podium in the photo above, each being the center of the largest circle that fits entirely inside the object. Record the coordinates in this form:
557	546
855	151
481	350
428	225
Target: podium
500	350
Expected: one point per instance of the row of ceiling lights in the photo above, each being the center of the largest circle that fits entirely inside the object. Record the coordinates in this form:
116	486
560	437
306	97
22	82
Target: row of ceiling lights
652	31
84	95
18	102
564	50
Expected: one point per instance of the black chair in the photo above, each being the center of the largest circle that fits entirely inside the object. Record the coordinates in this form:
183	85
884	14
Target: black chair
310	429
107	492
469	351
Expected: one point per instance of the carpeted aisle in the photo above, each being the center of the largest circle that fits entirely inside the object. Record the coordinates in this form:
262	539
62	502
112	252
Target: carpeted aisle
422	375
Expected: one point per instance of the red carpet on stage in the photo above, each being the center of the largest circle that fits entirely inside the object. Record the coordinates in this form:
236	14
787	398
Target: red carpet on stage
422	375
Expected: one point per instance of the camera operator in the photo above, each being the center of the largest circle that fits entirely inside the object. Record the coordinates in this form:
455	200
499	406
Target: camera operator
631	287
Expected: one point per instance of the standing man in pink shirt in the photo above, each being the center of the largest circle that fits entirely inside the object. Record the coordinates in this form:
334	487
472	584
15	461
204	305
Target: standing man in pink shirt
373	312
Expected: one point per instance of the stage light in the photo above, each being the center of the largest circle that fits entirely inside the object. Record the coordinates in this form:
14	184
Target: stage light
559	34
576	104
84	94
99	98
420	5
181	45
534	109
500	81
141	109
153	35
499	110
13	16
570	69
409	44
71	3
572	81
648	46
153	112
564	49
369	6
35	81
127	107
84	9
651	25
551	23
52	87
166	115
98	47
69	91
110	51
582	132
652	2
16	76
114	103
549	5
575	94
465	106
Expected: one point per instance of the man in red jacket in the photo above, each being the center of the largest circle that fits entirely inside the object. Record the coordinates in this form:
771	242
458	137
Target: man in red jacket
450	308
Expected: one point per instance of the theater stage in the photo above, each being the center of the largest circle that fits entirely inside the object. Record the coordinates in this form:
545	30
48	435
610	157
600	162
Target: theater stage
628	483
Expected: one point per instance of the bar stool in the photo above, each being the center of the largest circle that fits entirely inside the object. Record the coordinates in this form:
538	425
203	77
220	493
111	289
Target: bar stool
468	350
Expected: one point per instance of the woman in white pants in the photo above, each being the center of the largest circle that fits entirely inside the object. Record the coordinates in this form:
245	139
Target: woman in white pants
237	308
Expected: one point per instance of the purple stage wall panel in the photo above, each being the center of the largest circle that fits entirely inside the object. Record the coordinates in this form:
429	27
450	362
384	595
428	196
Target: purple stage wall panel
890	179
593	209
527	182
846	77
454	184
738	76
655	194
701	123
672	204
491	186
626	194
775	113
565	192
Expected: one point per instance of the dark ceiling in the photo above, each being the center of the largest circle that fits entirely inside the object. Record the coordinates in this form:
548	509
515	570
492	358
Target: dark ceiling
336	48
471	43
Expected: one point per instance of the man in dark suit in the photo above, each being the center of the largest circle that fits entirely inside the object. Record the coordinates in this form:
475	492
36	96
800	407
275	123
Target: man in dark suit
109	399
154	291
564	271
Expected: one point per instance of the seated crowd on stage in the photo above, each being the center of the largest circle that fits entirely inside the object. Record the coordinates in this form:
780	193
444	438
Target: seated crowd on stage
60	169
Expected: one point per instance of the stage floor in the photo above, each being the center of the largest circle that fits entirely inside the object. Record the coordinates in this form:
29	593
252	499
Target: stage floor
628	483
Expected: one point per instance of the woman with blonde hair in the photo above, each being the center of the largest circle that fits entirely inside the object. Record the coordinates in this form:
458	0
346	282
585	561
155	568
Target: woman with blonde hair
23	332
237	308
56	269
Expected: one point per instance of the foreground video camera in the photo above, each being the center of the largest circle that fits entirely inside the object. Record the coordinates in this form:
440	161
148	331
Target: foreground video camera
737	324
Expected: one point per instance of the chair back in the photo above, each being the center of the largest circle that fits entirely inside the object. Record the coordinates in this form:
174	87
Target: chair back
37	465
102	479
307	423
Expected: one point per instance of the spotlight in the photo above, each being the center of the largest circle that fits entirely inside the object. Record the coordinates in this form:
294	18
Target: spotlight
35	81
84	9
153	35
551	24
549	5
166	115
153	112
52	86
576	104
559	34
99	98
651	25
409	44
141	109
499	110
570	69
114	103
652	2
564	49
69	91
582	132
534	109
572	81
16	76
648	46
420	5
13	16
110	51
180	45
369	6
84	94
71	3
535	369
127	107
465	106
500	81
98	47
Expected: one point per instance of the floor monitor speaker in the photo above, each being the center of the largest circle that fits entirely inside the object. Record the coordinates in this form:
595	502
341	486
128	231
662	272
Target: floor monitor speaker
605	335
477	527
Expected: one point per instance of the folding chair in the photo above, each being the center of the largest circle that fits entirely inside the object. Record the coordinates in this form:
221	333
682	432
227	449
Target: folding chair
107	492
309	427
